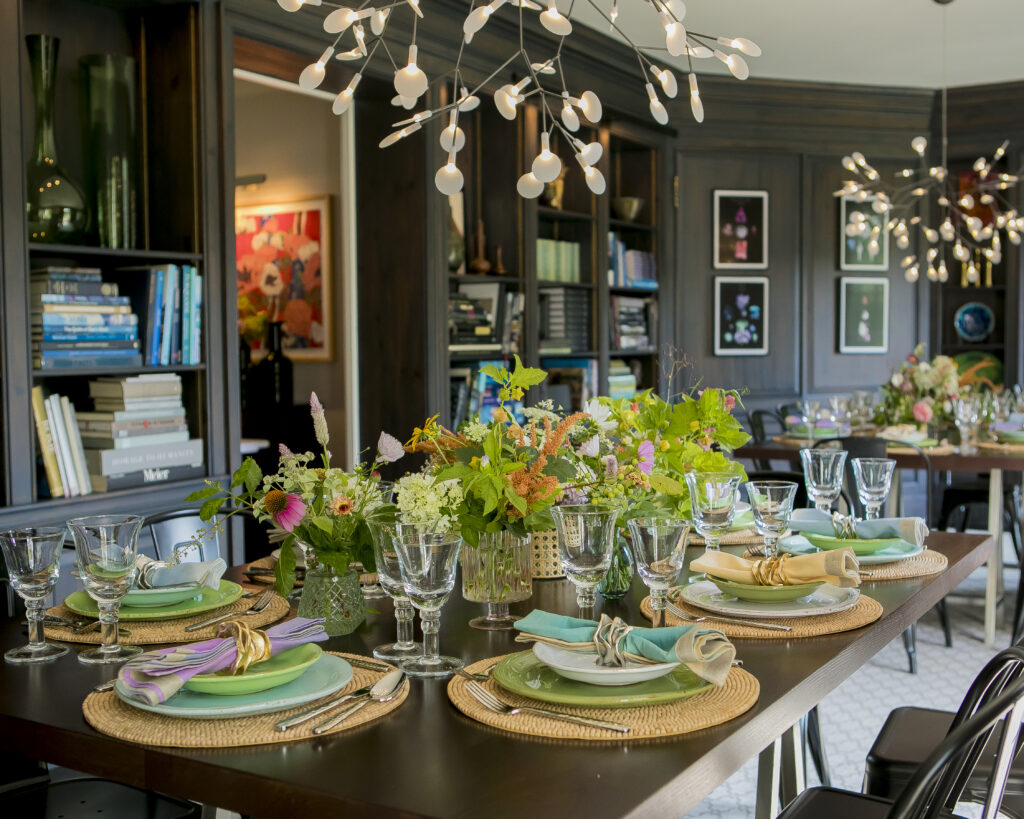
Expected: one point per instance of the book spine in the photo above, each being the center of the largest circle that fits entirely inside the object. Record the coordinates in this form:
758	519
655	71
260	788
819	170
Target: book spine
166	331
77	452
175	356
156	323
186	313
99	309
90	320
142	477
59	361
72	333
73	288
133	441
69	473
51	421
197	319
137	429
116	461
67	274
46	448
62	298
92	345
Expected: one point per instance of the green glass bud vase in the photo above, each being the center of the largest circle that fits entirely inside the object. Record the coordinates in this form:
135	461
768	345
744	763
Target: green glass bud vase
617	581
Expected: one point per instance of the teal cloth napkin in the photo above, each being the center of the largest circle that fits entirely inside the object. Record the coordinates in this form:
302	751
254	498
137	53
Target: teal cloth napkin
707	652
912	530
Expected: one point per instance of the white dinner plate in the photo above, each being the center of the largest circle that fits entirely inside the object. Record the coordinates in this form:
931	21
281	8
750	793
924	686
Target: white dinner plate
583	667
326	676
826	599
799	545
300	558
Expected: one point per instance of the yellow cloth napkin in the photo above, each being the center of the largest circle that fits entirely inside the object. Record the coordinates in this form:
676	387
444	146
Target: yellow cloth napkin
836	566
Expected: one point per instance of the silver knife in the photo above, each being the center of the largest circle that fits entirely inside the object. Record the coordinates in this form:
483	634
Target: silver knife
330	705
682	615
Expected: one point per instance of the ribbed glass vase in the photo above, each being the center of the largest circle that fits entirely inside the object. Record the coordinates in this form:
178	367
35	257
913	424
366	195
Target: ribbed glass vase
497	571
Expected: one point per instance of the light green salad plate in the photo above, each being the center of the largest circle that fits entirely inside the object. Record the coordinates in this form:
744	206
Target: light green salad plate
524	674
158	597
764	594
207	600
277	670
900	550
1011	436
860	546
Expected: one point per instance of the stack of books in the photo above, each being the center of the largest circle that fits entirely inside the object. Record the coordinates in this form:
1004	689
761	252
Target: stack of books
558	261
67	474
173	310
621	380
485	317
630	268
79	320
138	433
631	322
564	320
571	382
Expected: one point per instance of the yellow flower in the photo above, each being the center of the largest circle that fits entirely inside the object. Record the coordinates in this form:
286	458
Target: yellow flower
694	426
474	462
663	445
429	428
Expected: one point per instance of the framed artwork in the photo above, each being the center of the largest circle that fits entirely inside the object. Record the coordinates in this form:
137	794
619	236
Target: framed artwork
863	315
741	230
282	259
741	315
863	235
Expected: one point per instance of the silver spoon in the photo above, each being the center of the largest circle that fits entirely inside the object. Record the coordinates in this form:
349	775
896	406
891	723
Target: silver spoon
384	690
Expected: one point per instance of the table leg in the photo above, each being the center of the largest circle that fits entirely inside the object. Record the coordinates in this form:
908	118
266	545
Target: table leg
994	577
780	774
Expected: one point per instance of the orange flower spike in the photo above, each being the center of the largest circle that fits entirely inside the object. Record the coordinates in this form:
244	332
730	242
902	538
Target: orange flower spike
552	443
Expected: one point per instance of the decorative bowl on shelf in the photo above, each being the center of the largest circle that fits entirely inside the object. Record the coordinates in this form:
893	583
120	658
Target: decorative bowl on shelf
974	321
627	208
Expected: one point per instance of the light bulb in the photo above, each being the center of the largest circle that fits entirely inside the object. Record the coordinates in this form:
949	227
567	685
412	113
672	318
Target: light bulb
907	261
667	80
343	101
594	179
546	166
849	164
972	273
879	205
943	271
467	101
933	274
613	14
591	107
1013	236
415	5
411	81
735	63
912	274
751	49
696	106
392	138
902	241
699	52
360	38
960	252
351	54
408	103
448	178
295	5
378	21
339	20
453	138
569	118
529	186
313	74
554	21
657	109
946	230
505	99
675	36
931	234
543	68
589	154
919	144
973	223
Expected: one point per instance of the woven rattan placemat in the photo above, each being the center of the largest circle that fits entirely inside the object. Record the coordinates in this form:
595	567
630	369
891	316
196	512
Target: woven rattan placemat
866	611
1005	449
941	449
741	537
170	631
109	715
712	707
921	565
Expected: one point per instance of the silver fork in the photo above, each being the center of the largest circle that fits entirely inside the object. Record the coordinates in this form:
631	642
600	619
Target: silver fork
682	615
492	703
259	605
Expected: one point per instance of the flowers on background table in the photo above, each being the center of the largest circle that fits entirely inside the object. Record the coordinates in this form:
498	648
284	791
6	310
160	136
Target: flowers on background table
920	390
838	567
815	522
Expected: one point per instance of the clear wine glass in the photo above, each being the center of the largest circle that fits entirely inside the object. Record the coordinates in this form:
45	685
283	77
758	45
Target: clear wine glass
823	476
965	415
390	573
772	504
586	534
874	480
713	498
106	546
33	565
427	563
809	416
658	546
375	591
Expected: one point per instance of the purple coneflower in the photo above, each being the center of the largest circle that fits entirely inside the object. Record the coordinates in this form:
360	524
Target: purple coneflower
287	510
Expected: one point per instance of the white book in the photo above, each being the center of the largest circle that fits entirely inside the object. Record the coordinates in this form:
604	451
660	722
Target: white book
51	422
64	445
77	450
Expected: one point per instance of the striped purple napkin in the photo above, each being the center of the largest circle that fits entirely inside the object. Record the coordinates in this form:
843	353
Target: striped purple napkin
155	676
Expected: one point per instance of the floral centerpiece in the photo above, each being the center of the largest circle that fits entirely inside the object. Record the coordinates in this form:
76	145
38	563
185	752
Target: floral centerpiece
920	391
322	509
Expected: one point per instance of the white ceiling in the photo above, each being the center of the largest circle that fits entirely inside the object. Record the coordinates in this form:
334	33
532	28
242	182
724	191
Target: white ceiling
875	42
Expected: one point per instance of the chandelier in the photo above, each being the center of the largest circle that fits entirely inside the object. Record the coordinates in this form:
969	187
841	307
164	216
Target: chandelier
542	77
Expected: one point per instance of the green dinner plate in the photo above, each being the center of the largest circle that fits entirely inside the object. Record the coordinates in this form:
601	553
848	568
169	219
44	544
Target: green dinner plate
924	443
157	598
279	669
860	546
81	603
764	594
524	674
1016	436
742	521
901	550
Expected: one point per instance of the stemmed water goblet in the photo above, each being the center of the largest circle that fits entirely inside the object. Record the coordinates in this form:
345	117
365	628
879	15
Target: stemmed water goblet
427	562
809	416
106	547
873	477
965	415
586	534
823	476
658	546
33	565
713	498
390	573
772	504
840	407
375	591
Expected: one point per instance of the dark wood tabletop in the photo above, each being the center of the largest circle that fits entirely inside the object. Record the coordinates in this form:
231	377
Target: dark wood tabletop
978	462
427	759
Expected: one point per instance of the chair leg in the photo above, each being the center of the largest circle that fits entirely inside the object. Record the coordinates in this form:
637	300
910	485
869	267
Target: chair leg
1018	612
943	611
816	747
910	644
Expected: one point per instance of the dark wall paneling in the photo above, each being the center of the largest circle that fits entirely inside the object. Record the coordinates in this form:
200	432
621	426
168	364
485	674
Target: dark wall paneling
778	373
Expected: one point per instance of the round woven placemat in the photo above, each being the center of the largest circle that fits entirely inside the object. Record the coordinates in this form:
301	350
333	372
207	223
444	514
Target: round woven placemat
741	537
993	446
922	565
941	449
108	714
712	707
170	631
866	611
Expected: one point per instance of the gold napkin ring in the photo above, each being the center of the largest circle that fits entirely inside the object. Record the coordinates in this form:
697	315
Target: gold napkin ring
770	571
251	645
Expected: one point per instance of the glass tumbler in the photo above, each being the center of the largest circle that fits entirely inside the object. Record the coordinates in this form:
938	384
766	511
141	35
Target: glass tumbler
658	546
390	574
586	535
33	565
107	546
823	476
772	504
874	480
713	498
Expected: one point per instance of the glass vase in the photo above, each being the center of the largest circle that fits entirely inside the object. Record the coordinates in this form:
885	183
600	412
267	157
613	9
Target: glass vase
335	597
56	207
498	571
620	573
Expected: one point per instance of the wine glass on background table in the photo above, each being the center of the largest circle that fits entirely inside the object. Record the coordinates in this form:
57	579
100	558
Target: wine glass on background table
376	591
873	477
823	476
586	534
809	416
965	416
390	573
772	504
658	546
713	499
106	547
427	563
33	566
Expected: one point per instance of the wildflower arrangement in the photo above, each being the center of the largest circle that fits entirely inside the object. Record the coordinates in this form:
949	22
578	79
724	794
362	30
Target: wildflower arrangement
422	499
324	508
920	390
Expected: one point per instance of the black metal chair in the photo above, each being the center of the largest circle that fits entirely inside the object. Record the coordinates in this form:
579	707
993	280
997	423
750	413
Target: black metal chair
762	423
946	773
93	797
800	499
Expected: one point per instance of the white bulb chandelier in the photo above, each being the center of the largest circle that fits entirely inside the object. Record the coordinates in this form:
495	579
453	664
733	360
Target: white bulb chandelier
561	111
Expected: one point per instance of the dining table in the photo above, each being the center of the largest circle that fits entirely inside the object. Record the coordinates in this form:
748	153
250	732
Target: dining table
428	759
980	461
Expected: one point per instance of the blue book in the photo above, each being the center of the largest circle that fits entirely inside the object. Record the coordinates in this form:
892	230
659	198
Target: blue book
120	359
175	357
92	334
156	324
197	318
90	320
167	325
186	313
62	298
81	353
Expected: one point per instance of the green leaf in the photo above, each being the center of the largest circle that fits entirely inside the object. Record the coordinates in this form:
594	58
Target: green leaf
209	508
516	500
325	524
561	469
494	373
284	571
526	377
253	475
515	466
203	494
665	485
